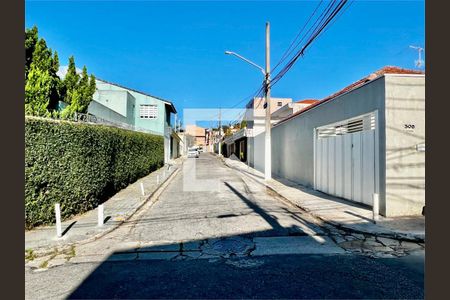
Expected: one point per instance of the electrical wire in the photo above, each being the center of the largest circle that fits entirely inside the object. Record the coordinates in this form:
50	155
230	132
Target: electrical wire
327	16
288	50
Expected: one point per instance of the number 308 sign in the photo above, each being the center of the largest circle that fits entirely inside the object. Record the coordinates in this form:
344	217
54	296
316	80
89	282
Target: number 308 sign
409	126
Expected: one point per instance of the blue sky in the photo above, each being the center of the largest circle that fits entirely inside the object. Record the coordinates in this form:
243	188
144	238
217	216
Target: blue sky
175	50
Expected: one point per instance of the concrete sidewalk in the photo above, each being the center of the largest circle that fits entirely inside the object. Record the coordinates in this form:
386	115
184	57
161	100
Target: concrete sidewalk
117	209
341	213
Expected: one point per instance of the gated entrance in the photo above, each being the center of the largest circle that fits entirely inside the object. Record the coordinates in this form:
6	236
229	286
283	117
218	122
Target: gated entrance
346	157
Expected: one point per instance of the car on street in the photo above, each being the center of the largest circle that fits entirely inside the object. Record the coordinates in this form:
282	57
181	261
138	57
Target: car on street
193	152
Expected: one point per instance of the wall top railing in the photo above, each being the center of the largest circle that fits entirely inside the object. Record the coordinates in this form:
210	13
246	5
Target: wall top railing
90	118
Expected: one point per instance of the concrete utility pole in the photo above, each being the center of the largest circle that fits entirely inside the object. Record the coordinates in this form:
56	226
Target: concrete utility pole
268	145
266	72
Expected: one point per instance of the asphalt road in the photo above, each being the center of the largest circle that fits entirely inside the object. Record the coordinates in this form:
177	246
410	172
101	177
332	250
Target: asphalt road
201	241
207	199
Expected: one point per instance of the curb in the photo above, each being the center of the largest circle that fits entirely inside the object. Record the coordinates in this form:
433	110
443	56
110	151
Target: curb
348	228
151	198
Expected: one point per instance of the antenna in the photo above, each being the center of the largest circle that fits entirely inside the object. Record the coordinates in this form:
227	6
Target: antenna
419	62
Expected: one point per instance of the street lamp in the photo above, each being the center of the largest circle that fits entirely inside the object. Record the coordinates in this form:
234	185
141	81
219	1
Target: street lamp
266	73
246	60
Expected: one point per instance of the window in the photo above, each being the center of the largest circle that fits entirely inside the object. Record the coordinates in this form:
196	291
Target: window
280	103
148	111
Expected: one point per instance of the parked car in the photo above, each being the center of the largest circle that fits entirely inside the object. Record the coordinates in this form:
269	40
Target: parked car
200	149
193	152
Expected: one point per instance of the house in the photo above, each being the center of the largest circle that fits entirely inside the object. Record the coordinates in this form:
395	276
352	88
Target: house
241	139
237	143
255	115
197	134
136	110
291	108
366	139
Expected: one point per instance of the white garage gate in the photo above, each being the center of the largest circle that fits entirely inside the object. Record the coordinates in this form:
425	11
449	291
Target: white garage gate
345	158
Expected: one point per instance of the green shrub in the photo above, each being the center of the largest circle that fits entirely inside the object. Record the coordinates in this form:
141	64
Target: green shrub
81	165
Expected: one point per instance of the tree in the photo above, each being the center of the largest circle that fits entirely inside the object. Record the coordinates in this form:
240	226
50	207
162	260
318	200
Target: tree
43	65
43	87
55	95
37	91
42	56
78	90
41	83
31	38
70	81
86	89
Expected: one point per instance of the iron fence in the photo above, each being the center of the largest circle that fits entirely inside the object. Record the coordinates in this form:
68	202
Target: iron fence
90	118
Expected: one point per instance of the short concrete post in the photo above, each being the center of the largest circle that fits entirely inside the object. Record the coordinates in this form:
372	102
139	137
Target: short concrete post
164	174
157	179
100	215
142	189
376	207
58	220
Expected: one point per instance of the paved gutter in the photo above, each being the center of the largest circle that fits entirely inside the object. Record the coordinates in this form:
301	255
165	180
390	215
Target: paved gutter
364	226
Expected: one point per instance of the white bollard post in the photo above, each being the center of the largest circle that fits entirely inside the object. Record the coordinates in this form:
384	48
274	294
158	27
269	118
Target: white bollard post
142	189
157	179
58	220
100	215
164	174
376	207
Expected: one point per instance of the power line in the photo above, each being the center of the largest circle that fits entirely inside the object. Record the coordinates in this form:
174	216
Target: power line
288	50
327	16
314	25
337	17
248	98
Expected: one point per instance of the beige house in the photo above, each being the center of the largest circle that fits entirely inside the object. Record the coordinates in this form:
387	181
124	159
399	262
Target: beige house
197	134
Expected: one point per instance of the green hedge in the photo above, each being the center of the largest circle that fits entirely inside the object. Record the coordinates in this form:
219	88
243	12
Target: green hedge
81	165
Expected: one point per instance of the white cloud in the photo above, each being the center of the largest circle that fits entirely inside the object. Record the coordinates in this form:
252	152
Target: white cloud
62	71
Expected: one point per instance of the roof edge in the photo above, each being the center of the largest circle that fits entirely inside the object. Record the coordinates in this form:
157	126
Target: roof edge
137	91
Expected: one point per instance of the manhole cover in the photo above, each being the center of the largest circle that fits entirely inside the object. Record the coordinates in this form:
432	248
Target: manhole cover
229	247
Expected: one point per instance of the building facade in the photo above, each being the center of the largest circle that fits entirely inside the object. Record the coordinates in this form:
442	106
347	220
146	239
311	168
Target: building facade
366	139
138	111
197	134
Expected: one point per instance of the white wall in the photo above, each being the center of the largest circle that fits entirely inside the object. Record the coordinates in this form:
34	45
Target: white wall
293	140
400	101
405	166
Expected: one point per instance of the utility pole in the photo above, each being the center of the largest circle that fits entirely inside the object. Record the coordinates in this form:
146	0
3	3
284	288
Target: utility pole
266	72
268	146
220	132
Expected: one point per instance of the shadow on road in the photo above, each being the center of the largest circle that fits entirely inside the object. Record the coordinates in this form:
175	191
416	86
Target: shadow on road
226	269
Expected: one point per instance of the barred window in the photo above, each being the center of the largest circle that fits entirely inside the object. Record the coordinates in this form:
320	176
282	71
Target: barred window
148	111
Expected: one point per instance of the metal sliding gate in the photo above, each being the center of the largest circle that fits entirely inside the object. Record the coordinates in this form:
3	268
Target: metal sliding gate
345	159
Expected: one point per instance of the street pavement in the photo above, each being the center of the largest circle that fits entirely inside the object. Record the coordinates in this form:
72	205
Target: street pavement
214	233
